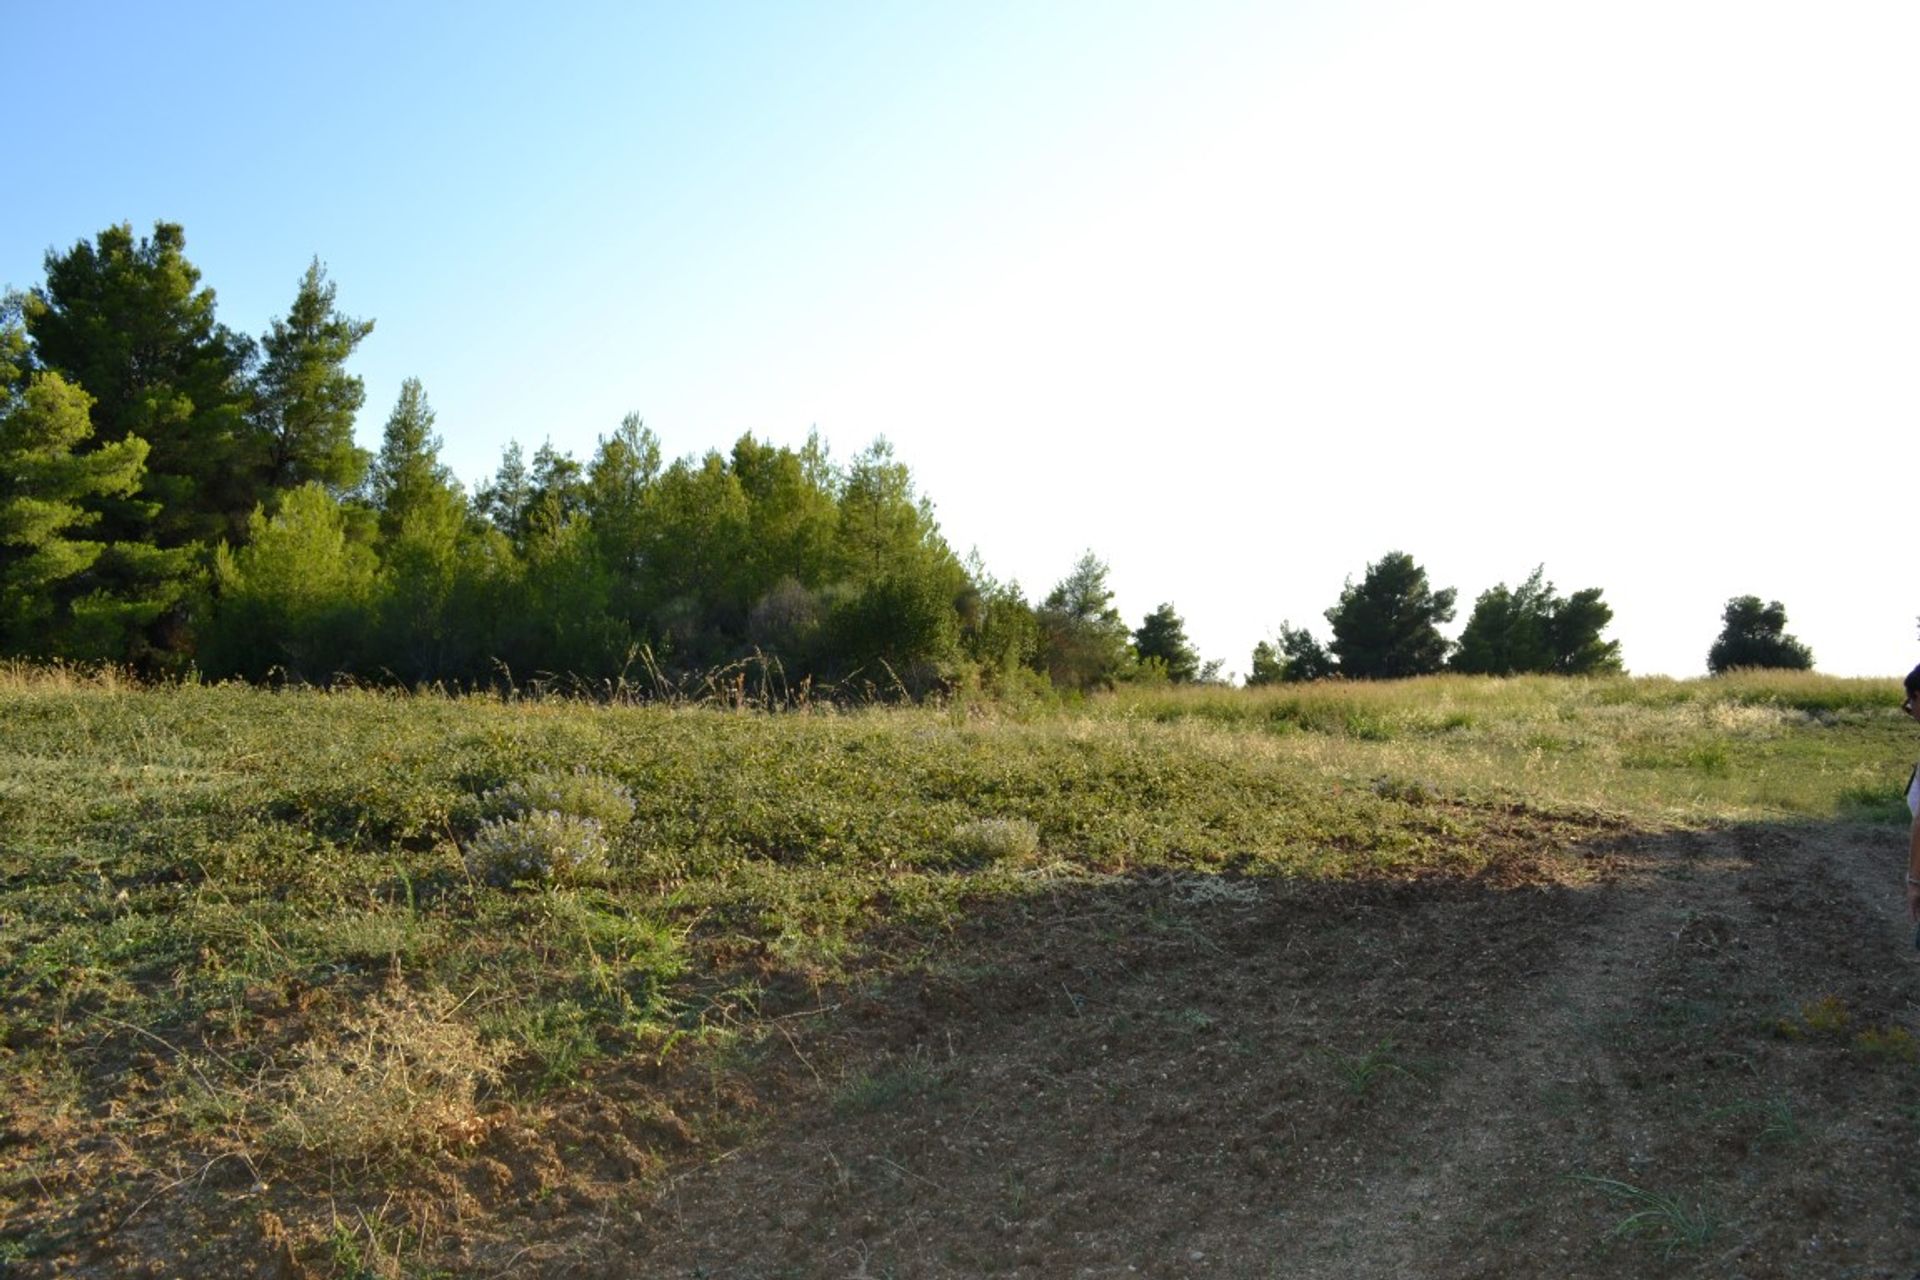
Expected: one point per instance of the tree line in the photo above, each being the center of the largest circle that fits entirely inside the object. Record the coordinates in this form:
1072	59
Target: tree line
1387	627
177	495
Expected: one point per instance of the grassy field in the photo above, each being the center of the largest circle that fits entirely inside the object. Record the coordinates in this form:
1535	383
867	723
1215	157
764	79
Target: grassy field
285	968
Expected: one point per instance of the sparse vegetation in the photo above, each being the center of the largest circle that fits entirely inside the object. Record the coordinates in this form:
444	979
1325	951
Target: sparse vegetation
1666	1220
297	940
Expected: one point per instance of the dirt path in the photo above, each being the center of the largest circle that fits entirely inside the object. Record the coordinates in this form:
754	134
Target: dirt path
1191	1076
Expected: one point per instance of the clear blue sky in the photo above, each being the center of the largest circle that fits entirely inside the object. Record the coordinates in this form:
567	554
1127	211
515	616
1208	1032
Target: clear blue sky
1240	296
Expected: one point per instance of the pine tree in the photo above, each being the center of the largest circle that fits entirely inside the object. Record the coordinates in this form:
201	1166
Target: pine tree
1162	638
1385	627
46	559
1083	642
297	596
1755	635
128	322
305	399
407	476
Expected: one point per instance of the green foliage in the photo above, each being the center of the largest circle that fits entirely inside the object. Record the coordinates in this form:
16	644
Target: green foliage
1755	635
1083	642
305	400
1532	628
408	478
128	322
1304	658
298	596
1000	632
1386	627
1666	1220
505	501
1163	637
1268	666
45	484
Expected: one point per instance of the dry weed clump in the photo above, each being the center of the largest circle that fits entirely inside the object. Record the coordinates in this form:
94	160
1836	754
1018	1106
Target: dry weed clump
399	1079
996	840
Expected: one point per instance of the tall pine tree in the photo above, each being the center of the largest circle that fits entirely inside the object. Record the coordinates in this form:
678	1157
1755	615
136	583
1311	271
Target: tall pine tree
305	399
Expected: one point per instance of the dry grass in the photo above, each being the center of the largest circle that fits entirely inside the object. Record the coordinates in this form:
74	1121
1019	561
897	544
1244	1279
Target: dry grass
400	1078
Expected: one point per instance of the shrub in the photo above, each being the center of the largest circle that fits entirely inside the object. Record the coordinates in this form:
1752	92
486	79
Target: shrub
579	794
399	1079
541	847
996	839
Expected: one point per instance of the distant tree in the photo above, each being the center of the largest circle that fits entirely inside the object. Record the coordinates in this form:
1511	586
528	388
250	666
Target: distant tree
1304	658
1083	642
1755	635
556	488
504	501
999	629
1386	627
1573	636
1532	628
305	400
792	514
1268	666
46	555
297	596
1162	637
433	625
407	474
129	323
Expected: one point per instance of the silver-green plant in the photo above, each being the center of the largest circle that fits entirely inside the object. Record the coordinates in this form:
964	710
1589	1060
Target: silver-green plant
579	793
541	847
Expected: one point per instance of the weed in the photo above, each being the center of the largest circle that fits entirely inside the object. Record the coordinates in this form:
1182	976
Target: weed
579	793
1360	1073
1667	1220
397	1079
986	840
1894	1045
914	1076
1778	1123
1827	1018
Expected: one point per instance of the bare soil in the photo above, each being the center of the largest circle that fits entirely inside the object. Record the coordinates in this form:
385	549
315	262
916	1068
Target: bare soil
1194	1075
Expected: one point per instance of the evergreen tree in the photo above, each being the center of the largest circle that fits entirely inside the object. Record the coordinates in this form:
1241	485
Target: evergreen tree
1386	627
1507	631
556	488
1573	636
1083	642
1000	631
407	475
1532	628
305	400
129	323
504	501
792	514
297	596
432	585
1304	658
46	558
1755	635
1268	666
1162	638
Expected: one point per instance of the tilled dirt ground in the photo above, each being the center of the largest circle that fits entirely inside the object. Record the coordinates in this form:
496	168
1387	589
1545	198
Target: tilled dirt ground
1608	1054
1437	1078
